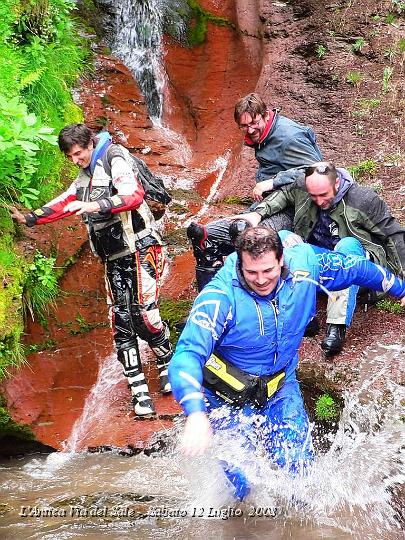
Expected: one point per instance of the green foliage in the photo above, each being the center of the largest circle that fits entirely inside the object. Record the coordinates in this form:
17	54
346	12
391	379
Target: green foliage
390	18
83	326
7	258
390	53
41	59
326	408
20	136
41	286
377	187
368	104
391	306
358	45
363	169
359	130
233	199
47	345
198	23
354	78
174	312
364	106
387	74
321	51
11	354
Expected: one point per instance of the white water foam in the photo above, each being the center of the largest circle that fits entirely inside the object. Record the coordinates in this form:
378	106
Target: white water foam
97	403
350	487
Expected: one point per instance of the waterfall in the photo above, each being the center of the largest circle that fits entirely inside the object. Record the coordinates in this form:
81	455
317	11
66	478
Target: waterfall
137	42
138	26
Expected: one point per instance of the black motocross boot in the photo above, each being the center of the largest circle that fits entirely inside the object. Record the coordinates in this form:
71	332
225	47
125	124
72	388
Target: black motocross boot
141	400
334	339
206	252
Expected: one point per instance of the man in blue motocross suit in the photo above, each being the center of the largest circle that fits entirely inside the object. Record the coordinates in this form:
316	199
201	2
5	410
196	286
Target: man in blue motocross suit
241	344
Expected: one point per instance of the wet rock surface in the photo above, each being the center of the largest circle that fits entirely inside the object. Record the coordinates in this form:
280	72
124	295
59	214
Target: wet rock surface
203	83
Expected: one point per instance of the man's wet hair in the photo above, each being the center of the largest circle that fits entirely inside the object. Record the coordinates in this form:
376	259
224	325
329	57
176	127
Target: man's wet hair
251	104
257	241
73	134
322	167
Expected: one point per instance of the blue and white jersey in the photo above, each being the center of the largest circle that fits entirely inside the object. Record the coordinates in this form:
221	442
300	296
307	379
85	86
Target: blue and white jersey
261	334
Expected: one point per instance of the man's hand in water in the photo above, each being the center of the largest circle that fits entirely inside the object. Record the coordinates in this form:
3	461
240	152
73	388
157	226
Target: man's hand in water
197	434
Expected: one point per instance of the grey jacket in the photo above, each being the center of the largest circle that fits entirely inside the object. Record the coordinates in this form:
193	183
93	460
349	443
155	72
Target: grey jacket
286	145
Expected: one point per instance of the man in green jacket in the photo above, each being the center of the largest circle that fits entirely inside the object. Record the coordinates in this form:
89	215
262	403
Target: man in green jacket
328	206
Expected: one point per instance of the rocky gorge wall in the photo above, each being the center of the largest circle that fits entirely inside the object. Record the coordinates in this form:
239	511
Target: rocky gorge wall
271	50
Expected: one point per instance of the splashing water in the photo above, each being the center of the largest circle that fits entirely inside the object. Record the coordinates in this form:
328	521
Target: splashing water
97	403
352	490
352	486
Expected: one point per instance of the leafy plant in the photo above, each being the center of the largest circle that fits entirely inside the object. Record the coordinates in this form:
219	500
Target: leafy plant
358	45
359	130
47	345
21	134
368	104
363	169
354	78
390	306
41	287
326	408
377	187
321	51
364	106
390	18
11	355
390	53
83	326
7	258
387	74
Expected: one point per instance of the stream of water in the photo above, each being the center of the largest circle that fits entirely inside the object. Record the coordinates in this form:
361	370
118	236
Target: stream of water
355	489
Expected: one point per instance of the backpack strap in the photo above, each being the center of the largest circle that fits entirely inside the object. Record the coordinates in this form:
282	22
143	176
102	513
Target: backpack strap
112	151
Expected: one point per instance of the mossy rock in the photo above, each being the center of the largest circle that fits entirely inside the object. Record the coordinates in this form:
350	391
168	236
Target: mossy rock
10	428
190	195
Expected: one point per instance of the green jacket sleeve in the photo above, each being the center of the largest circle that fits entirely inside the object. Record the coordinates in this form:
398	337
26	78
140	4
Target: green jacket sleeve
382	225
276	202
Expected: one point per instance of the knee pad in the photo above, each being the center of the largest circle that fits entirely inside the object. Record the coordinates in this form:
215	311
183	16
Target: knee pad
206	250
197	234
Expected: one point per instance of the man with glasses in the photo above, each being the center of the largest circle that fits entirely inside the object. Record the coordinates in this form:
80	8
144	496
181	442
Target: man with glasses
331	210
279	144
